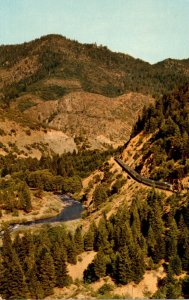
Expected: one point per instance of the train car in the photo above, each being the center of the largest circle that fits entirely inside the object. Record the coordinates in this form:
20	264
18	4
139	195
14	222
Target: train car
150	182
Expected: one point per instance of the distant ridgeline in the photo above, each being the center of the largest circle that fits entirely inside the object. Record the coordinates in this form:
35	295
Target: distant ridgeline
96	68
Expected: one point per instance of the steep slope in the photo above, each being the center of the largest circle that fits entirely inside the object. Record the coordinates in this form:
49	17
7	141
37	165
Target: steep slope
78	120
97	119
88	67
137	237
131	215
55	83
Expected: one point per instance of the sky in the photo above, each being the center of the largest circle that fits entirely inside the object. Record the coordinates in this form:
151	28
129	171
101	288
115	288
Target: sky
151	30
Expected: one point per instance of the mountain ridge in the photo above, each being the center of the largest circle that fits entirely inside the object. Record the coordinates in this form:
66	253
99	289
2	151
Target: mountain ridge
98	69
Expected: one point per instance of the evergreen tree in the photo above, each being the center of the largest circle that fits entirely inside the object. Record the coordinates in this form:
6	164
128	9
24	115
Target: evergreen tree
175	264
151	241
171	239
34	285
46	271
89	240
13	285
7	245
173	290
183	243
99	195
137	263
100	262
123	272
102	241
71	250
78	239
25	197
61	272
89	274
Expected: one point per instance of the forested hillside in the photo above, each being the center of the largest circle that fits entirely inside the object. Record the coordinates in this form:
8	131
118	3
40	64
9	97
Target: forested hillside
168	123
142	234
89	93
152	228
92	68
131	229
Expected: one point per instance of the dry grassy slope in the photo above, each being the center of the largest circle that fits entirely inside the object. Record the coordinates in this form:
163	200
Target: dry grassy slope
97	120
22	69
149	284
131	155
26	142
100	119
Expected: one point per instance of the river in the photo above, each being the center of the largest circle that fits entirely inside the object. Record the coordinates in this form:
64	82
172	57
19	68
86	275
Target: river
72	211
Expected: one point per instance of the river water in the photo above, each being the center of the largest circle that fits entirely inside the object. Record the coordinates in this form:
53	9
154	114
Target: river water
72	211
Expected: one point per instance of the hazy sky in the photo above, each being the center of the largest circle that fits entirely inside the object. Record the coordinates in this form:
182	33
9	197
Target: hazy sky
149	29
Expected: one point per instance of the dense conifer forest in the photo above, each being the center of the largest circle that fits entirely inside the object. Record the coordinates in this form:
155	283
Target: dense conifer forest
168	123
136	239
31	265
130	242
57	173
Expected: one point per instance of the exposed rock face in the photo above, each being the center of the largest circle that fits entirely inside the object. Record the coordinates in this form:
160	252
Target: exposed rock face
99	119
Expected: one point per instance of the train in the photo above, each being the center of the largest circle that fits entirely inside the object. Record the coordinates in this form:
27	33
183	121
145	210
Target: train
150	182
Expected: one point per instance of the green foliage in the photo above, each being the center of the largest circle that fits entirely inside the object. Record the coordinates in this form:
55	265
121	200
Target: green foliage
51	92
100	262
169	290
175	264
78	239
124	271
56	173
72	185
93	66
24	105
168	122
117	186
105	288
33	264
15	194
99	195
46	271
90	237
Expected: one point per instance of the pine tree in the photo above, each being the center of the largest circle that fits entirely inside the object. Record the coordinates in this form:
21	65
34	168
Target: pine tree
46	271
102	241
7	245
124	272
99	195
173	290
71	250
175	264
89	240
13	285
137	263
171	239
100	262
183	243
25	197
61	272
78	239
34	285
151	241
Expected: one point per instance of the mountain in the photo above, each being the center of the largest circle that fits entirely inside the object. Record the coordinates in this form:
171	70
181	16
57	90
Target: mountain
131	233
85	67
150	218
65	95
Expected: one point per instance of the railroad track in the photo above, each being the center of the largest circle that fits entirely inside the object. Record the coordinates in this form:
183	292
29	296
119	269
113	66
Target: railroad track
154	184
